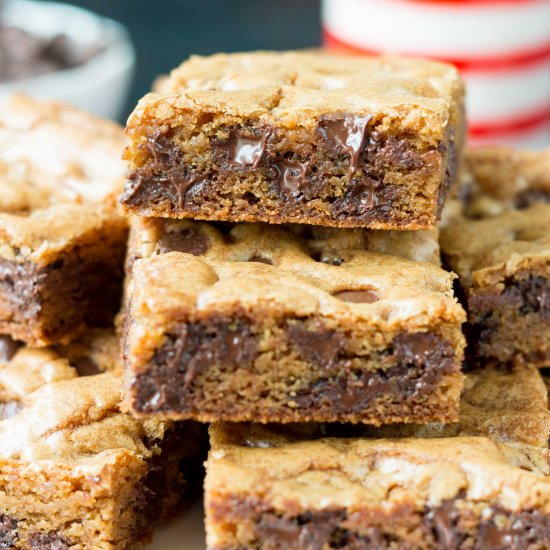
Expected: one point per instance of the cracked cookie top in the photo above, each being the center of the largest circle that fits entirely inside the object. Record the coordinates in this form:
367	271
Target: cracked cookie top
200	266
295	88
60	172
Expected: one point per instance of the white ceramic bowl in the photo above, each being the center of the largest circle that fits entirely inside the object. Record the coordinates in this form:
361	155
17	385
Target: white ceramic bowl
101	84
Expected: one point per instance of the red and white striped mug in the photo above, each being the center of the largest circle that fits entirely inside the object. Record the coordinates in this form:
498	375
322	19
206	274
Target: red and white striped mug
502	48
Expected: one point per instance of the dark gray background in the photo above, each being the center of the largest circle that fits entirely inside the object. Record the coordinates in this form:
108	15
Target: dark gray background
165	32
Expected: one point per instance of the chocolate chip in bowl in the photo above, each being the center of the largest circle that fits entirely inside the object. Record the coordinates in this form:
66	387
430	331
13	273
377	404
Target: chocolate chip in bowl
51	50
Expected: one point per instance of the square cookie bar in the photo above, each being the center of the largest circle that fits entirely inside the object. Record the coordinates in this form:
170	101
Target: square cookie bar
324	487
498	241
62	240
303	137
264	323
76	472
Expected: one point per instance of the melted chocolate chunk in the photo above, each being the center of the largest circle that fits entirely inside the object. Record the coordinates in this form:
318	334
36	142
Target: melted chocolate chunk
418	349
362	197
48	541
531	294
195	347
8	348
420	362
86	366
322	348
10	409
166	169
528	197
90	292
346	135
182	183
442	523
158	145
8	532
274	528
188	240
367	296
292	177
243	150
517	531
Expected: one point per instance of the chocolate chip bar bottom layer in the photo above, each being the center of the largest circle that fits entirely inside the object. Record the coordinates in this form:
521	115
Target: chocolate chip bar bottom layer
62	240
271	324
303	137
75	472
296	487
498	241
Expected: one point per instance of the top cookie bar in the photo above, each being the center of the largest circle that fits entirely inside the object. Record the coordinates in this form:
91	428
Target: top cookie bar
62	239
303	137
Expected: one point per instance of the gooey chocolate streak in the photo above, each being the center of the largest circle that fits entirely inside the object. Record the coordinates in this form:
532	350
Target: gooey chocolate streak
248	149
443	526
415	364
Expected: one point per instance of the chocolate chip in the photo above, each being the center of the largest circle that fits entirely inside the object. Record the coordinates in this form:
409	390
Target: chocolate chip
367	296
291	177
528	197
182	183
261	260
10	409
320	347
531	294
418	349
47	541
419	363
327	258
204	345
493	538
190	350
273	528
443	524
8	348
361	198
243	150
190	241
345	134
159	147
86	366
8	532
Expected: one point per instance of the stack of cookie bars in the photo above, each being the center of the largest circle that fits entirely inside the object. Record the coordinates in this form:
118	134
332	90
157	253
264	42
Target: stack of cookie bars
303	229
285	284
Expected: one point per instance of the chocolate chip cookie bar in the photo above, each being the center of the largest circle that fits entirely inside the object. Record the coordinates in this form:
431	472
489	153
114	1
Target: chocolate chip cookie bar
256	322
303	486
62	240
498	241
300	137
75	471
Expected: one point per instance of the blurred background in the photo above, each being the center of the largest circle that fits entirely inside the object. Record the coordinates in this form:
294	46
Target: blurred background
104	55
165	32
